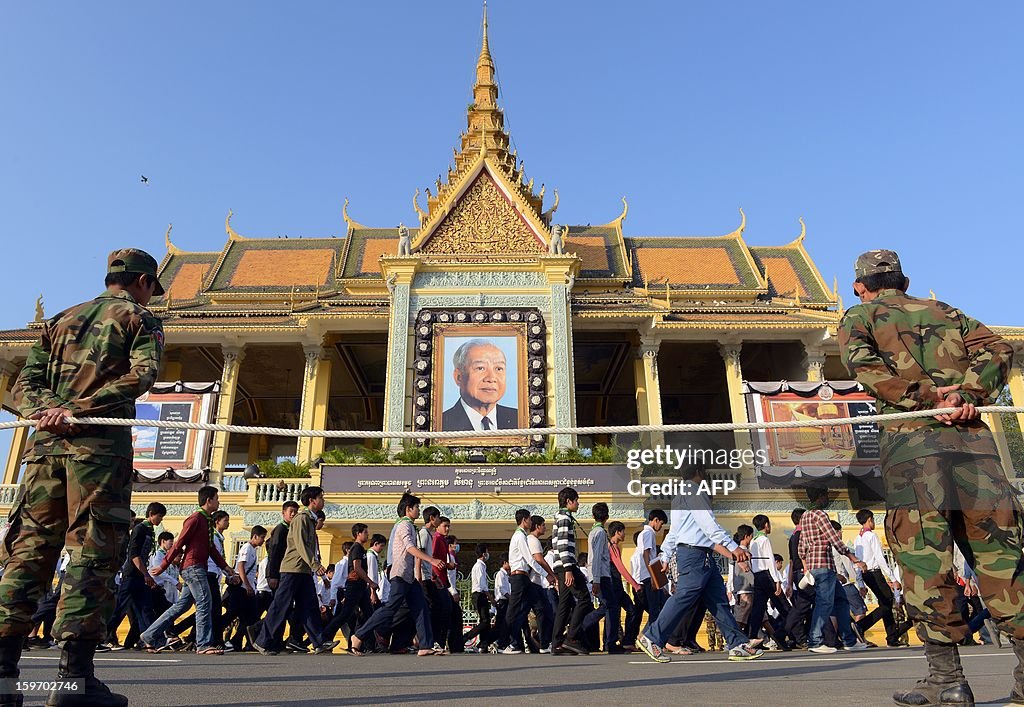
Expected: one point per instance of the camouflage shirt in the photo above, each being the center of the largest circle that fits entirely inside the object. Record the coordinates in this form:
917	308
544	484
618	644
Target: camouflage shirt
902	349
94	359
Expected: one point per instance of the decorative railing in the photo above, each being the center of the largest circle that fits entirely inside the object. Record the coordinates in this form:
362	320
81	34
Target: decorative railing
7	493
233	482
276	490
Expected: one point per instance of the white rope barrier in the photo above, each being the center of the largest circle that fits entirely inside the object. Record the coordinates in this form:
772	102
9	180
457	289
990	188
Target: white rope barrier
535	431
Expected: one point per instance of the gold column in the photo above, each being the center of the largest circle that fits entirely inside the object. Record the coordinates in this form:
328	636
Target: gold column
648	390
995	423
815	364
1017	387
316	390
233	356
734	379
8	372
13	466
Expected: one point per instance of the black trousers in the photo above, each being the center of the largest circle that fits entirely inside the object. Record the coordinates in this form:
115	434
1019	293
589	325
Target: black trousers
135	599
634	620
568	618
355	611
875	581
243	607
440	604
798	619
483	625
300	589
501	623
764	593
518	608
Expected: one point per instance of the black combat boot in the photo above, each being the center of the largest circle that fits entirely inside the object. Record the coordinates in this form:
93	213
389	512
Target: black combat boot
945	685
10	655
1017	696
76	664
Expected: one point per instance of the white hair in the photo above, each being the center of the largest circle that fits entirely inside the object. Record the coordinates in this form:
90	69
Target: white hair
459	359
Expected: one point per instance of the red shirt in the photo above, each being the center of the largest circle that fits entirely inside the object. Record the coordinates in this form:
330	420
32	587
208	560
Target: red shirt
440	551
195	539
817	538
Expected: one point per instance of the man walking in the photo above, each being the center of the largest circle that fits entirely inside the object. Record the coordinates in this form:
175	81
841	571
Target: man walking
943	480
879	578
693	539
93	359
301	560
572	585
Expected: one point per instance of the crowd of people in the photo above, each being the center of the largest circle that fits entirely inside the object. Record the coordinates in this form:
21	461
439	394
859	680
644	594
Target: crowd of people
400	594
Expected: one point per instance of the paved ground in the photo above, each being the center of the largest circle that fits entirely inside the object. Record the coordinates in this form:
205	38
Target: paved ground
791	679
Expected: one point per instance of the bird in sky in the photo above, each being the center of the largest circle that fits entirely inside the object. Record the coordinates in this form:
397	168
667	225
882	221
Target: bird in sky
144	179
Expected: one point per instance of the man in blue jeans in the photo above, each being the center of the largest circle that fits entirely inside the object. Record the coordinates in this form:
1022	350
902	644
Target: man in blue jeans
694	537
600	566
817	540
195	543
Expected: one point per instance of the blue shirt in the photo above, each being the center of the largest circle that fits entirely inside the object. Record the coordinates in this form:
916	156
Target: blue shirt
692	522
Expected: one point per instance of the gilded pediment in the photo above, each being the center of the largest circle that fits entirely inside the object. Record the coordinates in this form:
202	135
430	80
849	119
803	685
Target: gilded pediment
484	220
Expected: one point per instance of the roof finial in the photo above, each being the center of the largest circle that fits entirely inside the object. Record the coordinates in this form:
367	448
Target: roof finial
232	234
743	221
803	231
171	248
485	49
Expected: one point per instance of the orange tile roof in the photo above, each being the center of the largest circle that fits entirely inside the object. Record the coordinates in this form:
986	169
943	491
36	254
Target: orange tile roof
283	268
690	266
784	277
593	250
188	281
373	249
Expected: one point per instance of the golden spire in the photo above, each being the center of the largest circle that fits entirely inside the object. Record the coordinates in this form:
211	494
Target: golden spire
485	65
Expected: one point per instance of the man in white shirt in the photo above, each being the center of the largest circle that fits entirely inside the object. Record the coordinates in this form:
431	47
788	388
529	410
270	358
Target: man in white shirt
767	582
647	547
880	578
242	597
541	577
167	582
377	543
340	579
521	564
502	590
482	599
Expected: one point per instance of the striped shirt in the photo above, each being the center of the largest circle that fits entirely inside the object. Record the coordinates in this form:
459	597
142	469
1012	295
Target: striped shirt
564	540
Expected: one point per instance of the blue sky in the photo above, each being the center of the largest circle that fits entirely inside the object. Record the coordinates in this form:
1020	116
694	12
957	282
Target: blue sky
882	124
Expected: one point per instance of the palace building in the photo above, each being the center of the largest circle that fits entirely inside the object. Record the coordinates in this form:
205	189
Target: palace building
595	326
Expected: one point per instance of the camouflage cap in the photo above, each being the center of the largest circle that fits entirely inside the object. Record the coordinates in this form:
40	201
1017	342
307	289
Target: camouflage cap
876	261
134	260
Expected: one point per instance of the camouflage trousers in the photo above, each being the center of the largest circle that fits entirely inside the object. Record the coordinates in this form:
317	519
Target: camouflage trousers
933	502
81	503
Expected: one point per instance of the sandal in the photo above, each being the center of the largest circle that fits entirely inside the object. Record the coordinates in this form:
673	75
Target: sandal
354	650
678	650
211	651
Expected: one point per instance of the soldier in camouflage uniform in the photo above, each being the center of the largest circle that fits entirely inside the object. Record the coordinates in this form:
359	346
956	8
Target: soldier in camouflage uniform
93	359
943	480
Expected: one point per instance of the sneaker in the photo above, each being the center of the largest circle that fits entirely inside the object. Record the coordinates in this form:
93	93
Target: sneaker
493	649
509	650
822	649
545	651
438	650
325	647
116	647
574	646
653	652
771	645
858	646
103	648
229	647
745	652
295	647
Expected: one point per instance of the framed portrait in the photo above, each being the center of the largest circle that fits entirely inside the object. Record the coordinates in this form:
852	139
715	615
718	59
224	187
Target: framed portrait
480	370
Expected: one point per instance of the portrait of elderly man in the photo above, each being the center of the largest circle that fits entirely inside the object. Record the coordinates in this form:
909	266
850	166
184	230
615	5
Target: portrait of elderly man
480	372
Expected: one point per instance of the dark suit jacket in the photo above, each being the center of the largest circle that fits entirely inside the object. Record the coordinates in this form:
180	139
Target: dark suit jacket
455	418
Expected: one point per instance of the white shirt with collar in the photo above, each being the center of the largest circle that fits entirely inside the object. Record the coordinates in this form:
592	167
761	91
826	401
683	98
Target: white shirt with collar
479	576
519	557
868	549
502	585
476	419
762	557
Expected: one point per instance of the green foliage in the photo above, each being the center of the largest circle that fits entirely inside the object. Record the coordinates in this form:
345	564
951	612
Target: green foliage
286	469
1014	440
438	454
